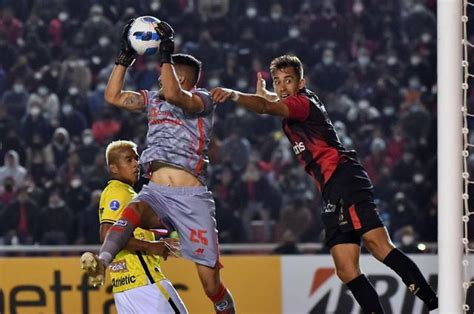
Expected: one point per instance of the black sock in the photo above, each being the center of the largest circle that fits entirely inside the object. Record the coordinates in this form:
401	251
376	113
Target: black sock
412	277
365	294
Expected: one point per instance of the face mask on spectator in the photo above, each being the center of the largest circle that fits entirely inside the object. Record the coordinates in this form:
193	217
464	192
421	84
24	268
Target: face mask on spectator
75	183
251	12
150	66
101	87
178	40
67	109
357	8
18	88
86	140
294	32
328	59
415	60
392	60
63	16
104	41
363	60
43	90
35	111
242	84
275	15
214	81
155	5
240	112
425	38
414	83
389	110
418	178
73	90
407	239
56	203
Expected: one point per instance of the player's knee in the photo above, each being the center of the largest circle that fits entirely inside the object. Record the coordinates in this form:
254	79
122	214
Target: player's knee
378	247
347	273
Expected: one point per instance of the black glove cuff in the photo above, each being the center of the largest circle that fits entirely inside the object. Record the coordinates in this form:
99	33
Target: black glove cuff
165	57
124	59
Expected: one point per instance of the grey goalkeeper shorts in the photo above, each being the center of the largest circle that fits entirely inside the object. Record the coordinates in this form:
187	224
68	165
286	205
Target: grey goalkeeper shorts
190	211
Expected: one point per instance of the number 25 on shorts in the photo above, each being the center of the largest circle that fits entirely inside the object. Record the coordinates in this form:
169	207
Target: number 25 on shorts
198	236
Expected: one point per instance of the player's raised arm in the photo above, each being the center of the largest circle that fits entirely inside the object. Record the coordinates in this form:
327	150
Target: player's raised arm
114	93
176	81
252	102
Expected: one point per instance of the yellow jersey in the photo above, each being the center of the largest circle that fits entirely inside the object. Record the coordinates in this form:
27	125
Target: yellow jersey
128	269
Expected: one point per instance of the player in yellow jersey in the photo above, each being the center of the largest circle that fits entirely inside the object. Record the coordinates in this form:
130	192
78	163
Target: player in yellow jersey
138	284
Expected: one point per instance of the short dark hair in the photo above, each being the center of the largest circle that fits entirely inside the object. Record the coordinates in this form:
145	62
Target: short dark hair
190	61
287	61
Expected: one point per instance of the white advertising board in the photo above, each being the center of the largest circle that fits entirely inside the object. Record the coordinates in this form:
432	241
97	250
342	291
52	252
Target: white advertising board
310	285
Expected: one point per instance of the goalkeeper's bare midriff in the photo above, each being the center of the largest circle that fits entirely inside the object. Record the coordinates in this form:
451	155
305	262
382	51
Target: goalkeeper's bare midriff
166	174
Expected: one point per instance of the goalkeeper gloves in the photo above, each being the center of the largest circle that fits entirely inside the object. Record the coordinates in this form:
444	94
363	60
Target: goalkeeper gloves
127	53
166	33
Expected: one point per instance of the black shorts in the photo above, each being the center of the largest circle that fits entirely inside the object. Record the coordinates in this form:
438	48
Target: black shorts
349	209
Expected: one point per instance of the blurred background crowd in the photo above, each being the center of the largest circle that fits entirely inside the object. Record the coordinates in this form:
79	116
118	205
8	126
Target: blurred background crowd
373	63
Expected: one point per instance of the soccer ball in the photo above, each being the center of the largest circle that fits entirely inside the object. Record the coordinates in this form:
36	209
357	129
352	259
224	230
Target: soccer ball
142	35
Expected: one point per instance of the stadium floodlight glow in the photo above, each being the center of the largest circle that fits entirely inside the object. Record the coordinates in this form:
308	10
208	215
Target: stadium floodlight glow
450	154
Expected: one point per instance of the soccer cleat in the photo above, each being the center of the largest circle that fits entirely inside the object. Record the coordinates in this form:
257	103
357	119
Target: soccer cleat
94	267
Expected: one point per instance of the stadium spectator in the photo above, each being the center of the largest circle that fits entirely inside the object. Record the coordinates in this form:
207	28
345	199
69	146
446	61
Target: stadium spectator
383	61
20	217
12	169
87	226
16	100
55	221
58	149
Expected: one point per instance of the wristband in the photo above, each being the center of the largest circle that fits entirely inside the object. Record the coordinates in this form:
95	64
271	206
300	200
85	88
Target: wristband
234	96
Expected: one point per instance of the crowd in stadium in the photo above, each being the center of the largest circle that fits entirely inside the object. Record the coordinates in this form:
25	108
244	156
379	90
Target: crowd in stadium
373	63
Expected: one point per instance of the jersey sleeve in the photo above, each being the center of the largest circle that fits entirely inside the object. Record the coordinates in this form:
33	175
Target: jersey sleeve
298	107
206	99
112	204
147	96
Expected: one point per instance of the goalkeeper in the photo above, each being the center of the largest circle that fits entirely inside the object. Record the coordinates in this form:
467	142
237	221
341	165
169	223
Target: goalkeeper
180	121
138	284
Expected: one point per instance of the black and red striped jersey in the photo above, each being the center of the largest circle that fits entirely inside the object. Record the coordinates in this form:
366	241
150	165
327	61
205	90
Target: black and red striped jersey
312	135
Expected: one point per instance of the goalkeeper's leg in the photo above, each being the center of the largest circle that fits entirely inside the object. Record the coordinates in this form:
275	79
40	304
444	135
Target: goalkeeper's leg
116	239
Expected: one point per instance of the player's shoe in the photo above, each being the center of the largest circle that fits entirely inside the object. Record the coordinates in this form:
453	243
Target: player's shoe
94	267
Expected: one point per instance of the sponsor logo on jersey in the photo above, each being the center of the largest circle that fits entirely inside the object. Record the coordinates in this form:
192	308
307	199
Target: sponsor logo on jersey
114	205
117	282
199	251
118	266
298	148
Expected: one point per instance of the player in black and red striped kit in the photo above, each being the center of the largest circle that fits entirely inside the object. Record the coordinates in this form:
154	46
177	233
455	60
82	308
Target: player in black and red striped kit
350	215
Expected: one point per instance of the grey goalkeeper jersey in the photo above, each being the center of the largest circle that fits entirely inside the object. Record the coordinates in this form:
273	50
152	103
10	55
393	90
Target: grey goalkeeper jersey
177	137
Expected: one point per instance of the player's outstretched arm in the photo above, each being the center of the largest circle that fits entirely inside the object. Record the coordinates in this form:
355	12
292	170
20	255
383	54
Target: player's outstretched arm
252	102
114	94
